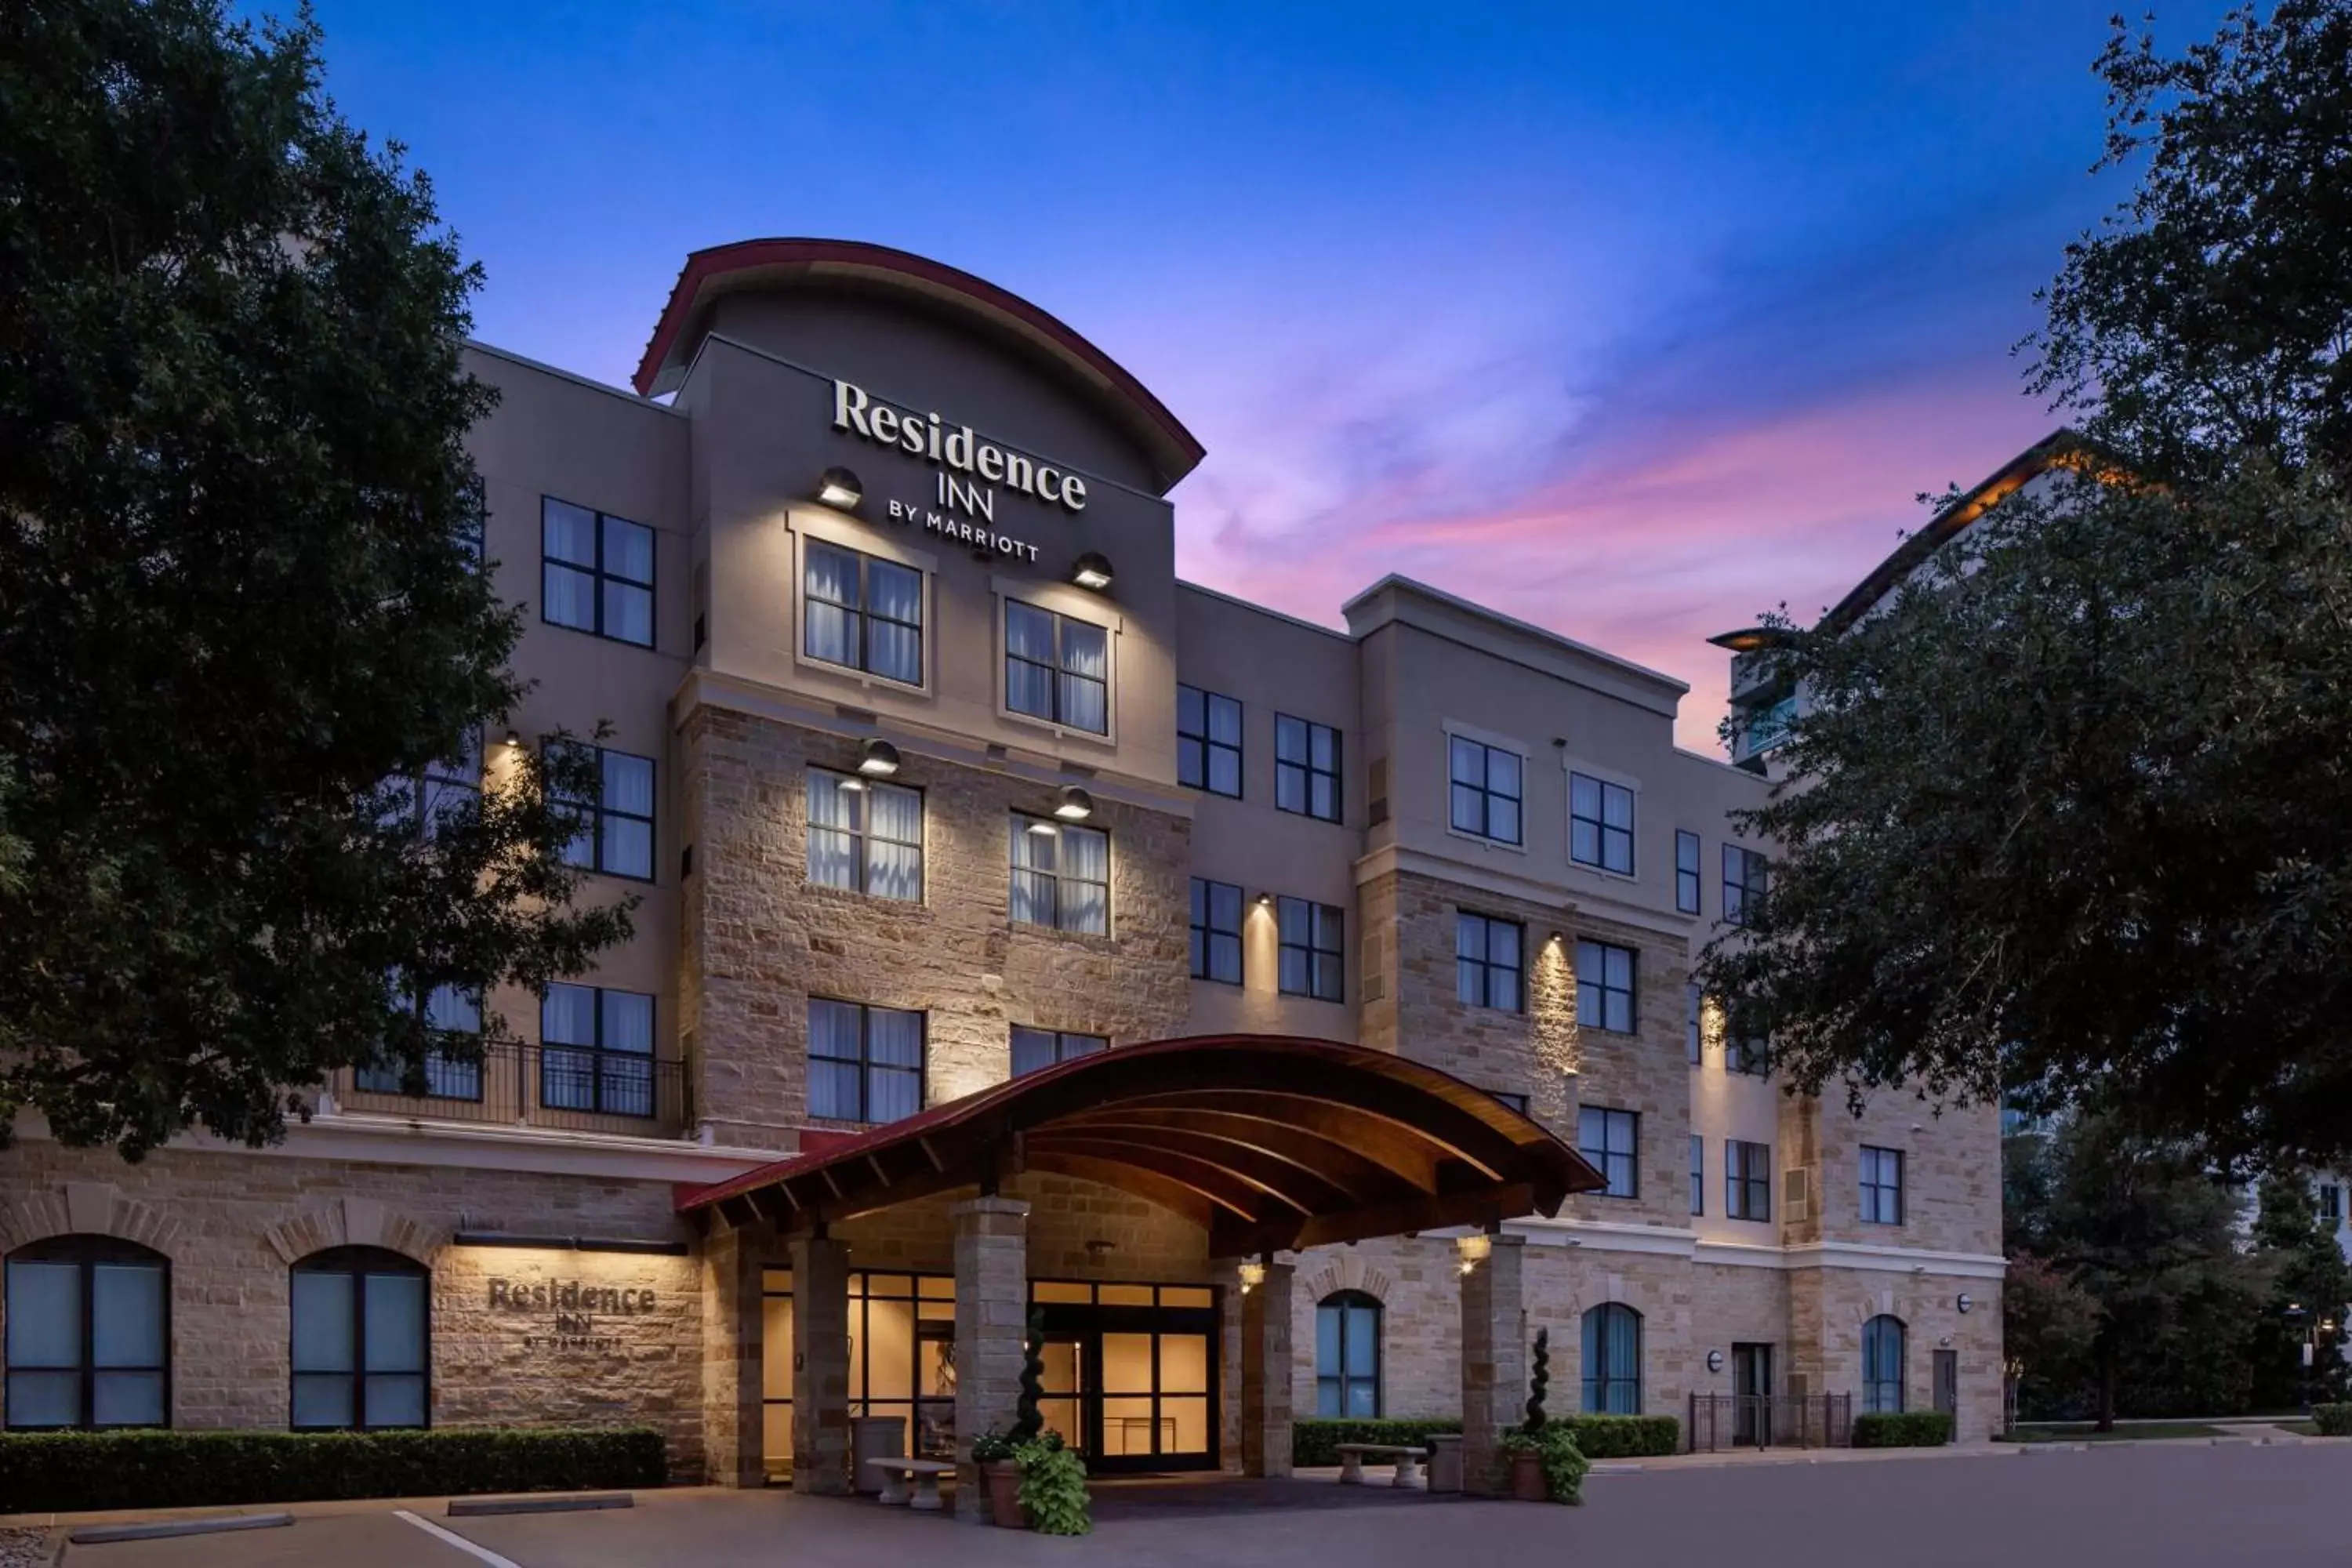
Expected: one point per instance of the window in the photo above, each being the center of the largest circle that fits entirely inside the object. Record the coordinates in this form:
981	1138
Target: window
1347	1355
616	825
426	799
1056	667
1517	1102
1882	1186
1698	1173
1746	1180
1693	1024
1882	1363
1750	1055
1216	932
1306	768
1612	1359
448	1010
89	1334
361	1323
1611	1140
1686	872
597	1050
595	572
2331	1205
862	612
1310	937
865	1064
1486	790
1208	742
1604	986
1600	823
1061	875
1743	882
1035	1048
865	836
1488	971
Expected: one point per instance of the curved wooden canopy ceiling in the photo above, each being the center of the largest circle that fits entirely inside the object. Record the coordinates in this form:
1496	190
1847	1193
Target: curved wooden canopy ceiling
1265	1141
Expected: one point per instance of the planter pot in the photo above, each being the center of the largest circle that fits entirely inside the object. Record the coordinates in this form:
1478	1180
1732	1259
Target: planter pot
1528	1478
1003	1479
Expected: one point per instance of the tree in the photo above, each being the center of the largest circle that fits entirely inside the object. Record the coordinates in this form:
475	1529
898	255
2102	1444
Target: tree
2310	1292
2048	1326
242	608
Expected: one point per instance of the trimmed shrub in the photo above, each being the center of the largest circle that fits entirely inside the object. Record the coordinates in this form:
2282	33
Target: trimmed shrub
1317	1441
2333	1420
74	1471
1624	1437
1902	1429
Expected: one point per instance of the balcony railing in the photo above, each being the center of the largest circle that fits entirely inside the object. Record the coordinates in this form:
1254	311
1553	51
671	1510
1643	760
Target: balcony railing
1769	1421
564	1086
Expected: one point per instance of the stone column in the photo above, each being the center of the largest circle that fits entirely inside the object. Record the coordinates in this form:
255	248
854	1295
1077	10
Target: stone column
1266	1373
732	1404
820	1366
1494	1358
991	1290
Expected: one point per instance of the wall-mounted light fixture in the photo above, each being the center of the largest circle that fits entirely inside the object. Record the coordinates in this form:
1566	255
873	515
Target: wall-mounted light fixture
1075	804
514	739
1556	939
839	487
1265	900
1091	571
1252	1276
1965	1302
879	760
1715	1361
1473	1250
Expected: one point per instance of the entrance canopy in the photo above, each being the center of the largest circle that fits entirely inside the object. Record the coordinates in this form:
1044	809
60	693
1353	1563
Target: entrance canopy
1268	1142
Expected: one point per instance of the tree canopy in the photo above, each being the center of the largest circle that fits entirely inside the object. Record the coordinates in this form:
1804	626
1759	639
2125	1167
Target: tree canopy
242	605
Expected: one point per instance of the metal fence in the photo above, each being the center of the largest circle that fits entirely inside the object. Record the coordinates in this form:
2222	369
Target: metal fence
576	1088
1769	1421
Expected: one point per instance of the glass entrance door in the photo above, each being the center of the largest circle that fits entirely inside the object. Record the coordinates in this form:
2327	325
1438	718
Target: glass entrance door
1751	1384
1130	1373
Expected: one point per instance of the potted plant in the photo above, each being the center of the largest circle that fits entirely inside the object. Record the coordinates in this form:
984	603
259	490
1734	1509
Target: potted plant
993	1451
1544	1463
1053	1486
1003	1458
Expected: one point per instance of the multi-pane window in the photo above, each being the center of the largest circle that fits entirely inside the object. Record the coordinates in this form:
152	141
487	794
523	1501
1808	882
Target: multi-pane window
1604	986
597	572
1310	940
2331	1205
1882	1364
1612	1359
865	1064
1612	1141
424	801
597	1050
89	1334
1698	1173
1743	883
616	824
1061	875
1347	1355
447	1011
1749	1053
1882	1186
1035	1048
1216	932
1056	667
1486	790
1746	1180
1693	1023
1208	741
360	1332
1517	1102
1489	968
1305	767
862	612
1686	875
865	836
1600	823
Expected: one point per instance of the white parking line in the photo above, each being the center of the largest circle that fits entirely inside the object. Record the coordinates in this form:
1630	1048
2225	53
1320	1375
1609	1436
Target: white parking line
456	1540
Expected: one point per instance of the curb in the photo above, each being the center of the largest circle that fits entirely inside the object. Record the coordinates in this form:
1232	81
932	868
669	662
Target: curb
166	1530
463	1508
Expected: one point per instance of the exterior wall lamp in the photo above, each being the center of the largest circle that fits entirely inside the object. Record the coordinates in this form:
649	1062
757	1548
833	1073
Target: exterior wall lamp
1091	571
1075	804
839	487
1474	1250
1252	1276
879	760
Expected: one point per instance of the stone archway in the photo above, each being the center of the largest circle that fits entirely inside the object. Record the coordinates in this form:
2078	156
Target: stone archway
88	1208
354	1222
1348	1272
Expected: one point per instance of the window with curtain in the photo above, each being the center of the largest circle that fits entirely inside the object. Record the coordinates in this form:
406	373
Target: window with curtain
1604	986
865	836
1486	790
1612	1359
1882	1186
861	612
1057	667
1882	1363
1309	950
1686	873
1611	1140
362	1333
1347	1355
597	572
89	1334
1305	767
1216	932
1600	823
1208	741
597	1050
614	832
1061	875
1036	1048
448	1013
426	800
1489	963
865	1064
1746	1180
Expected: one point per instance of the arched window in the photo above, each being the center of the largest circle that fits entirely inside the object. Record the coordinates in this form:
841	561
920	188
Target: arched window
89	1334
1612	1359
1882	1363
1347	1355
361	1329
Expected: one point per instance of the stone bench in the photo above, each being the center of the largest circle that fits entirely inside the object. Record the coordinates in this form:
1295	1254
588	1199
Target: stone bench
1409	1473
924	1473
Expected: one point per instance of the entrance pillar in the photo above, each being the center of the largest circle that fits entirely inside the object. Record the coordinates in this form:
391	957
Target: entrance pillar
1266	1373
731	1332
820	1366
1494	1357
992	1319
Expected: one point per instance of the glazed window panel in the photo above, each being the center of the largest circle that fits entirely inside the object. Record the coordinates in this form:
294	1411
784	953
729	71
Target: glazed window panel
1882	1186
447	1014
1061	875
361	1334
1208	742
597	572
1686	872
1489	962
1744	879
1486	790
1600	823
1216	932
1604	986
1310	943
1748	1180
87	1334
865	1064
1034	1049
1348	1356
865	836
1698	1174
1056	667
597	1050
862	612
1611	1141
1306	768
1882	1354
613	827
1612	1359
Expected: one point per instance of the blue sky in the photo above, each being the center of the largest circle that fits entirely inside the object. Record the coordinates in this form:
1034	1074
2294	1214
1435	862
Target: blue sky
1629	320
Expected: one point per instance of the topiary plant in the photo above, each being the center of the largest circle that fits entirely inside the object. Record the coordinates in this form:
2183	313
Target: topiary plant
1026	1420
1538	1384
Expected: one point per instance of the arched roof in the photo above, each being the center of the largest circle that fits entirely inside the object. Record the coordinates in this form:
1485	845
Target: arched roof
974	302
1267	1141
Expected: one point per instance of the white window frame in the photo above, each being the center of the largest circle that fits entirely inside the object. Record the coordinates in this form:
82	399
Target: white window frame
1078	604
1500	742
806	526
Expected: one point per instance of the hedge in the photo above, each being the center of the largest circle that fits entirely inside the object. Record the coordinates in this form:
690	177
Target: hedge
1902	1429
42	1472
1317	1441
1625	1436
2333	1420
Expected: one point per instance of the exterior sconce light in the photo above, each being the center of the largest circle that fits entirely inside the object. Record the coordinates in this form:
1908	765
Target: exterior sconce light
514	740
1092	571
1252	1276
879	760
1265	900
839	487
1715	1361
1076	805
1555	938
1474	1250
1965	1302
1040	826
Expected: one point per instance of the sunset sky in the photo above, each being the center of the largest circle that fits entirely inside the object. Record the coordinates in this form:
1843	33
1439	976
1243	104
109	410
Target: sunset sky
1630	321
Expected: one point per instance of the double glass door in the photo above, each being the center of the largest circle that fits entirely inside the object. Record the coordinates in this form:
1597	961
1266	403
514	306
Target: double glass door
1130	1373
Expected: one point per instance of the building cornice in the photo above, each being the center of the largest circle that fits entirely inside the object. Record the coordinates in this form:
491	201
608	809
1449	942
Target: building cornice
1663	1241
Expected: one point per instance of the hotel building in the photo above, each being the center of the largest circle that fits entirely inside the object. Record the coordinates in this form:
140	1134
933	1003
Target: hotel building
1297	1019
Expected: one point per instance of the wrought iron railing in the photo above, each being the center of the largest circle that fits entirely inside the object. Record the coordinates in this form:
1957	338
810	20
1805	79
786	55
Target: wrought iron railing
564	1087
1769	1421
